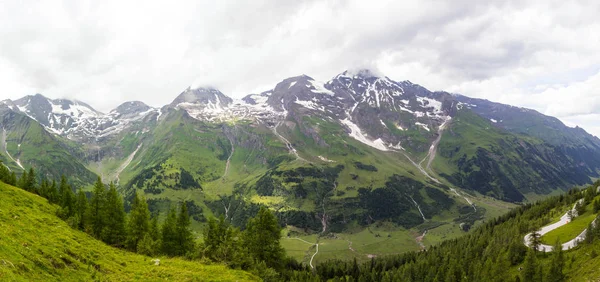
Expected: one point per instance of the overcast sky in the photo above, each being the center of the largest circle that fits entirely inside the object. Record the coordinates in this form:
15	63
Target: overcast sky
538	54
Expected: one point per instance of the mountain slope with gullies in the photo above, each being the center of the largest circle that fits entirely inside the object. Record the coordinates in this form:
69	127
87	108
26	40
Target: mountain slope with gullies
360	150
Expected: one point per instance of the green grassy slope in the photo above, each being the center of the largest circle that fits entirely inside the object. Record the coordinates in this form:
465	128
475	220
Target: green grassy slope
50	155
35	245
336	175
494	251
476	155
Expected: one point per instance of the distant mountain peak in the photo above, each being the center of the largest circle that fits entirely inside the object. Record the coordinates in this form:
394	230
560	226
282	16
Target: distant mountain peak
361	73
132	107
207	96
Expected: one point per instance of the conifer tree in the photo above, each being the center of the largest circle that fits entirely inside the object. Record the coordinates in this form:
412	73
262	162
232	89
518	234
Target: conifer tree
45	189
62	187
535	240
580	208
185	237
154	228
81	208
138	222
555	271
531	265
13	179
22	182
150	243
68	201
262	236
4	173
596	206
114	227
169	243
222	243
96	213
53	196
31	183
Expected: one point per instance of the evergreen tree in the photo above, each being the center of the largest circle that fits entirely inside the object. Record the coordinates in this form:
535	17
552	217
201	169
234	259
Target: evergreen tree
53	196
516	252
150	243
262	236
22	183
114	227
31	181
138	222
81	208
535	240
45	189
4	173
68	200
154	228
596	206
580	208
222	243
590	193
184	233
555	271
13	179
169	243
531	265
96	211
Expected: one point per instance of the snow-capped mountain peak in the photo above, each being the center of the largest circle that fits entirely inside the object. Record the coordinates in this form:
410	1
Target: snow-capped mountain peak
362	98
208	97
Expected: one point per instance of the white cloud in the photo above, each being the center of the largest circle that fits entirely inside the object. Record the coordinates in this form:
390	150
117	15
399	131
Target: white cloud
538	54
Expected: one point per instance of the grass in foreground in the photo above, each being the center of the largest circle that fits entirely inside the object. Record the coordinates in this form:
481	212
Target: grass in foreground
35	245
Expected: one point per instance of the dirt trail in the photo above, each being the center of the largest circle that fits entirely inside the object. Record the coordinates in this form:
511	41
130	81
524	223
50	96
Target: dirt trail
5	144
312	244
313	256
229	158
125	164
419	240
433	148
291	148
418	207
431	156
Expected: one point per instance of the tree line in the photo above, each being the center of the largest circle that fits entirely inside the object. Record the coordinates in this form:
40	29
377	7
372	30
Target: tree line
101	214
493	251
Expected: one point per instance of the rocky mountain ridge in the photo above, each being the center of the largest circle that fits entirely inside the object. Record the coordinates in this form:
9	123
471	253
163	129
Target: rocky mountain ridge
312	121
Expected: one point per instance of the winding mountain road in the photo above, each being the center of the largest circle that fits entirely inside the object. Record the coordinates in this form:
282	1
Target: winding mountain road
563	220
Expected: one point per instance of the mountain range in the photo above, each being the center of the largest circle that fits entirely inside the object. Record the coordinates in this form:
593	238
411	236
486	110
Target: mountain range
326	156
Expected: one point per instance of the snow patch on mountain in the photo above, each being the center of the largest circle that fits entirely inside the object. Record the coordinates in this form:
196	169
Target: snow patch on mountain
428	102
319	87
73	110
313	105
357	134
424	126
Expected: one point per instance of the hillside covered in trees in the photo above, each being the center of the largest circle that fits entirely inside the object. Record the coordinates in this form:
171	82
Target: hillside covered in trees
36	245
494	251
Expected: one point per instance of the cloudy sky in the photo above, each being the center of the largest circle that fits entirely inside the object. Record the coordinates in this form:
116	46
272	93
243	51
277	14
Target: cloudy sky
537	54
